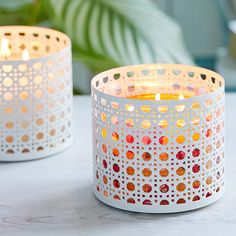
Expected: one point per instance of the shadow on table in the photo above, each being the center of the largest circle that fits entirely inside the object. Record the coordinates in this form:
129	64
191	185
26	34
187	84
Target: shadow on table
91	214
65	205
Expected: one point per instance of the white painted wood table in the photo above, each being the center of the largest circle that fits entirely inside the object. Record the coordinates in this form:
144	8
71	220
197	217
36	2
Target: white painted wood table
53	196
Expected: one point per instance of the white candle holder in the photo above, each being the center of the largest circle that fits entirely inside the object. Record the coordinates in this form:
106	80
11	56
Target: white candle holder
158	156
35	93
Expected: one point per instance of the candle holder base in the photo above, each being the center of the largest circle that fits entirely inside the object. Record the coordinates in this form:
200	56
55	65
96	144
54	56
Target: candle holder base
36	155
158	209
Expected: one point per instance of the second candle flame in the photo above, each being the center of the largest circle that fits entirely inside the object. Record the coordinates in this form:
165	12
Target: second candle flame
181	96
158	97
25	55
5	50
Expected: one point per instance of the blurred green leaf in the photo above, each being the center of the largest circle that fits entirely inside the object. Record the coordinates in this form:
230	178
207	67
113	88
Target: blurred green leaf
23	12
109	33
12	5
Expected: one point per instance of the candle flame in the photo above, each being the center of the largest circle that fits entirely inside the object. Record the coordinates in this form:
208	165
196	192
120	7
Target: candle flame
5	50
181	97
25	55
158	97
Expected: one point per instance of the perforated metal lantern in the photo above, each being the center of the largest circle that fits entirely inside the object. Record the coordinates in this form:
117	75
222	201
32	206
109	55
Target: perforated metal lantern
35	92
158	156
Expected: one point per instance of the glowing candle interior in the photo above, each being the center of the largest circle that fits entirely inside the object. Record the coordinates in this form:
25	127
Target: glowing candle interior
25	55
5	51
159	96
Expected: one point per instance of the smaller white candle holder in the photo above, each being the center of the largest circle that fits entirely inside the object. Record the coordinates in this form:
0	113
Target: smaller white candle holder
35	92
158	156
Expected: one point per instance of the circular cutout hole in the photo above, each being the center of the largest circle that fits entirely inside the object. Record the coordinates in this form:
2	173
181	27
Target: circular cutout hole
164	172
39	121
52	132
38	93
163	109
130	186
180	155
25	138
130	155
163	140
129	138
8	96
129	122
7	68
115	152
181	187
115	136
25	124
196	137
196	121
146	172
146	140
7	82
146	156
180	139
146	124
23	81
164	188
180	123
163	156
38	79
10	139
39	135
114	120
163	124
145	109
180	171
130	170
180	107
104	133
103	117
23	95
147	188
9	125
24	109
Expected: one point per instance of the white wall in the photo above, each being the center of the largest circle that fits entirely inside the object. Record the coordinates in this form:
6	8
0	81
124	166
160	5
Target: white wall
201	23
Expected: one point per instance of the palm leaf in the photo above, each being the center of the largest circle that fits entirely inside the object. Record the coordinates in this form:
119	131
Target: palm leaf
108	33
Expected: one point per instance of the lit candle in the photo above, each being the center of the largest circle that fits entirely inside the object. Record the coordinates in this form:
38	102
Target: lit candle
159	96
154	129
181	97
5	50
25	55
35	116
162	96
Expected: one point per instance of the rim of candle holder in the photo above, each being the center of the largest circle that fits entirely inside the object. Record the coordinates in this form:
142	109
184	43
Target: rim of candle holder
30	29
181	67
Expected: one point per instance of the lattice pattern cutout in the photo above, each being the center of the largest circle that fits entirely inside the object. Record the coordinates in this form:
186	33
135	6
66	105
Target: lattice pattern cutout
35	95
158	156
